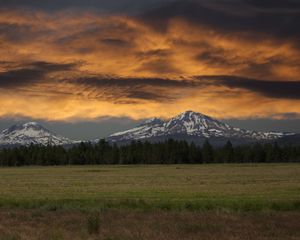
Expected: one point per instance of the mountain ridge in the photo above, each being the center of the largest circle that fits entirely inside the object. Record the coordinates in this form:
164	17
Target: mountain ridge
193	125
190	126
31	133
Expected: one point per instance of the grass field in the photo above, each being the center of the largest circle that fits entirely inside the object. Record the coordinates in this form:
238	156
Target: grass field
194	187
208	202
153	225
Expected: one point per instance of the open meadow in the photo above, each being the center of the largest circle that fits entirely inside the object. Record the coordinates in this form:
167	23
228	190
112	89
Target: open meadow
255	201
254	186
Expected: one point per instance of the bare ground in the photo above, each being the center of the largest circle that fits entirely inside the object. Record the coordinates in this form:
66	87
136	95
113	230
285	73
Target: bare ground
151	225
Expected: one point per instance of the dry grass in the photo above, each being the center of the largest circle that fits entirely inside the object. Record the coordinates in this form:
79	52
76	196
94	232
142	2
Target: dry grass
256	185
130	224
202	201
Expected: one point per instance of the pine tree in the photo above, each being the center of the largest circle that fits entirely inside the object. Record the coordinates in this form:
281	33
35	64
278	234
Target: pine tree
207	152
227	152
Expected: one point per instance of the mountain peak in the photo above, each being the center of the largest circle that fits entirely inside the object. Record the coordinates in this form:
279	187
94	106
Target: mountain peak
30	133
31	124
153	121
190	124
189	114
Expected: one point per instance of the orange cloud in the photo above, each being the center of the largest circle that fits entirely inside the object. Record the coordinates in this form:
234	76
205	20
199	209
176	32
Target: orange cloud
66	66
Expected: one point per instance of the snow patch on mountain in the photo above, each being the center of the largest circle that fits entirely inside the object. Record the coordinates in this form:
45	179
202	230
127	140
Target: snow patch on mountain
31	133
192	124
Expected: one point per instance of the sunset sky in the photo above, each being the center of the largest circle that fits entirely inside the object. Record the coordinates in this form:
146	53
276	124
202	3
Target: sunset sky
80	62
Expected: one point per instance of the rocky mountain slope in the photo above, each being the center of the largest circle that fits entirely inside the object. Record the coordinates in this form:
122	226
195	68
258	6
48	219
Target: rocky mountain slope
189	126
31	133
192	125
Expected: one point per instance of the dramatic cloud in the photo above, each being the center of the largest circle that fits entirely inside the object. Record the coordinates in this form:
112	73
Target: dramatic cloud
67	60
133	82
253	19
276	4
102	5
30	73
273	89
127	90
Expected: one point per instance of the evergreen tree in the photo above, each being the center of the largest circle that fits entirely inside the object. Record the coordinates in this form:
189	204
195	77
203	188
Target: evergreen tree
168	152
227	152
207	152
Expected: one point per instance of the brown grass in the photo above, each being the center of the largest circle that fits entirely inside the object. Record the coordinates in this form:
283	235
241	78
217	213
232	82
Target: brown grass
130	224
179	183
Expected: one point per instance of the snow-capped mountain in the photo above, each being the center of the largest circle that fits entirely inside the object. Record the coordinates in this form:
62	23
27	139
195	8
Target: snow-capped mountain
31	133
191	125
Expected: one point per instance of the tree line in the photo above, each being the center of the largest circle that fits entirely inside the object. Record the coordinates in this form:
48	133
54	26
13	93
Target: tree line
168	152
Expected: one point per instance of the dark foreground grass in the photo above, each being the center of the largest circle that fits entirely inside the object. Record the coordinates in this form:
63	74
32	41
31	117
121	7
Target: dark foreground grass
139	225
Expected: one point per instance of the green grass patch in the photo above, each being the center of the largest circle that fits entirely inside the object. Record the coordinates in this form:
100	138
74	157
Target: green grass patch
232	187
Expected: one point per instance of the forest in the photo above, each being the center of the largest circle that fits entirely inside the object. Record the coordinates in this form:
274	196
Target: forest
168	152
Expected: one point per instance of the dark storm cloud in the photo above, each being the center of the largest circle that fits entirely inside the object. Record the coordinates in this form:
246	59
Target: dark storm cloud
157	53
16	33
131	82
97	5
273	89
275	17
21	77
114	89
53	67
160	66
157	61
144	95
158	89
30	73
215	57
260	69
282	24
113	42
275	4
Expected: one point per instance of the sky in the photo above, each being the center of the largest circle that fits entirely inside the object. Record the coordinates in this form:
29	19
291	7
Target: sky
88	68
